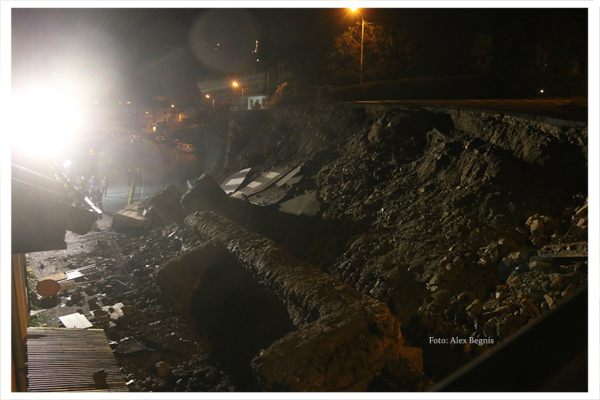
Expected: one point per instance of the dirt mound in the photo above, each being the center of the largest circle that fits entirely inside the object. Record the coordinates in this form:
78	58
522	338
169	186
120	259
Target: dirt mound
465	224
428	209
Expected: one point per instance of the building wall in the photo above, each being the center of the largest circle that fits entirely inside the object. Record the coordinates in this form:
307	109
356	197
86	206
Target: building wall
261	99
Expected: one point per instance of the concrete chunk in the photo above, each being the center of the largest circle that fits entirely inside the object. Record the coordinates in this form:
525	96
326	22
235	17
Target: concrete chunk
130	217
344	337
207	195
179	278
167	204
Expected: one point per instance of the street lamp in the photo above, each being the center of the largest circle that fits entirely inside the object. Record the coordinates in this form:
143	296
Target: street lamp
362	41
213	100
235	84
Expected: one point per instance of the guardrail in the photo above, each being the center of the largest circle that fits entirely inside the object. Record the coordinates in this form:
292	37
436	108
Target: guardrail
131	188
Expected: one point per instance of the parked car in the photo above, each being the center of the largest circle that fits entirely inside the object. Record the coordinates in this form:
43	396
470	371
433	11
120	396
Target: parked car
174	143
186	148
179	144
160	139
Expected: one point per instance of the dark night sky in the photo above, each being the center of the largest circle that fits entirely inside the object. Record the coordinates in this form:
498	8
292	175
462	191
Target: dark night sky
125	49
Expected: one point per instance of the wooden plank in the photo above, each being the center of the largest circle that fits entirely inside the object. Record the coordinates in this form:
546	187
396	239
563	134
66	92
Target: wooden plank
61	360
56	277
67	285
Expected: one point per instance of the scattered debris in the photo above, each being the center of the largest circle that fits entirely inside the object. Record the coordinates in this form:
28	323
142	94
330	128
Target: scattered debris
459	224
76	320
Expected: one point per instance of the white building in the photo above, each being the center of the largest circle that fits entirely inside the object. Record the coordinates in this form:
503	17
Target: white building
260	99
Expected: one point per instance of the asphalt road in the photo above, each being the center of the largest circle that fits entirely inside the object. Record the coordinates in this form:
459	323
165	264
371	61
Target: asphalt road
569	109
158	164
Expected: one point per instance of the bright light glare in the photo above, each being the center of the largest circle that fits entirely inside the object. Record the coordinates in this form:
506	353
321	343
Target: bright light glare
44	121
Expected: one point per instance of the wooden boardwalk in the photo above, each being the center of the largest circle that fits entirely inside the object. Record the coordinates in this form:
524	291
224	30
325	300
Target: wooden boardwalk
63	360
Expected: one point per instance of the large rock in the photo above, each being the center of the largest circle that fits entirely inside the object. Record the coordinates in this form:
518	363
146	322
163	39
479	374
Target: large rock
167	204
179	278
207	195
344	337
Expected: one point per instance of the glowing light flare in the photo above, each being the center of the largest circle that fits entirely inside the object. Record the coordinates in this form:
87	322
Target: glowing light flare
44	121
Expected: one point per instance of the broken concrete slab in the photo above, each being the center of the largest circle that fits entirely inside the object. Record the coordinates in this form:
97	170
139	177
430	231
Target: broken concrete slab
152	217
262	182
204	195
76	321
167	204
305	204
130	217
233	182
344	337
291	177
207	195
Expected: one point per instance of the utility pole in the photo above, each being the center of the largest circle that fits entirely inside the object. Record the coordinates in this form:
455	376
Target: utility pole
362	41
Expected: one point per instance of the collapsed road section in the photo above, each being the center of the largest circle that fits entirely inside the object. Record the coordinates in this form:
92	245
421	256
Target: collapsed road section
464	227
343	338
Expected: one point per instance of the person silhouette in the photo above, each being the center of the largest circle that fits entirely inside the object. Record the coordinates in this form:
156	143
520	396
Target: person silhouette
104	186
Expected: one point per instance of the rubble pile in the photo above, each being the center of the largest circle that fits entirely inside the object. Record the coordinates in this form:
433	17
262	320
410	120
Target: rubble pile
157	349
445	210
433	223
344	338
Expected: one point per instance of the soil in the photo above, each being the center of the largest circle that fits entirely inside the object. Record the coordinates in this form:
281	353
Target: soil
453	219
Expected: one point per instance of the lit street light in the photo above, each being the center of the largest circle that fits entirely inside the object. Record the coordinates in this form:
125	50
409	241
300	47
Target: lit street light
235	84
241	85
362	41
213	100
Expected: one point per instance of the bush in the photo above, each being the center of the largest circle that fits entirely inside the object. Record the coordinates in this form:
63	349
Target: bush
283	91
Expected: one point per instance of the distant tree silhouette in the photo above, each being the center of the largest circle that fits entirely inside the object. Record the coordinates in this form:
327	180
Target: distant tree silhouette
284	90
387	55
482	53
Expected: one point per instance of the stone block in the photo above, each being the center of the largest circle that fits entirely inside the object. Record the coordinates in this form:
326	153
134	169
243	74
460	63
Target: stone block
167	204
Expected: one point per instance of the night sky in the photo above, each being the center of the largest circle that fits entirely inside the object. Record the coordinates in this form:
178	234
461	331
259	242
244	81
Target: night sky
171	51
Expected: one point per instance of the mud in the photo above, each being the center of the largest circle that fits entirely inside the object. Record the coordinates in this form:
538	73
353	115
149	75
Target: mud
464	224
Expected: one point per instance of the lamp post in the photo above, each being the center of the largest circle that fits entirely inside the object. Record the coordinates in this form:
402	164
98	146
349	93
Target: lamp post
242	87
213	101
362	41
